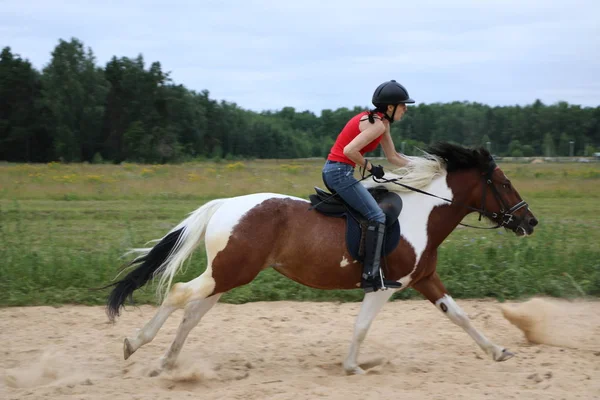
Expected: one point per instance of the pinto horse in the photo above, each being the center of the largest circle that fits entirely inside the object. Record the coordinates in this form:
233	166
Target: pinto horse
247	234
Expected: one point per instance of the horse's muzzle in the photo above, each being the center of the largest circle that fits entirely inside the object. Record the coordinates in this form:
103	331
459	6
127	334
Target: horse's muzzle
525	227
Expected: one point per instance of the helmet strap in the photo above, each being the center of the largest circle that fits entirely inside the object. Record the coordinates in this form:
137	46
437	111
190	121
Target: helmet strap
391	119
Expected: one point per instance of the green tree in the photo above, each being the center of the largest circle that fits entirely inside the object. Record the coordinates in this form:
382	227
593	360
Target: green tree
589	151
74	91
143	97
128	110
137	144
514	149
549	145
23	136
486	142
564	145
527	150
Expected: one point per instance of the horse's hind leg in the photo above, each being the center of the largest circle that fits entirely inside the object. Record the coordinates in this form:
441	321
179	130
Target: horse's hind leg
222	275
149	331
179	295
194	311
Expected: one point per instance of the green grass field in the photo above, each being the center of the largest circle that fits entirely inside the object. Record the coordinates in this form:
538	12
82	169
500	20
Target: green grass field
63	229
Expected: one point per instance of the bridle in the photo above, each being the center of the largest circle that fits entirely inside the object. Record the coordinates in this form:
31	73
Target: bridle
504	218
506	215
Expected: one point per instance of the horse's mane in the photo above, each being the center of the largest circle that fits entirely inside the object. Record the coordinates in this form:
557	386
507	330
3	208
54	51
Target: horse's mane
438	159
457	157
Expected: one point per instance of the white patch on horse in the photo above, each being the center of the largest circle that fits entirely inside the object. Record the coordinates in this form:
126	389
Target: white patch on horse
427	174
415	217
193	230
344	262
370	307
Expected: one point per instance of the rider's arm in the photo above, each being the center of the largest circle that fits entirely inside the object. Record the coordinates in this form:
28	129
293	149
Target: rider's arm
366	136
391	154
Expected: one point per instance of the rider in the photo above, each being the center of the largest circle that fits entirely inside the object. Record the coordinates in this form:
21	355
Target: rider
362	134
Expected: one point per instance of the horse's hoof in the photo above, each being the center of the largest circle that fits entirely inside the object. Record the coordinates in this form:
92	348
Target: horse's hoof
166	364
155	372
127	349
354	370
504	355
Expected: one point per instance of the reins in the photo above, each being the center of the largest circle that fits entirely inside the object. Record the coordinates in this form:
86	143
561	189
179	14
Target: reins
479	210
482	211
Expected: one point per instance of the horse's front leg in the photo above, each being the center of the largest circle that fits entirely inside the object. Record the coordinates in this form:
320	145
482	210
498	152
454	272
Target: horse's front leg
372	303
433	289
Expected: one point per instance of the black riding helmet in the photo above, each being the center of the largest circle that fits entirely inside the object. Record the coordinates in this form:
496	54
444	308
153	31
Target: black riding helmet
390	93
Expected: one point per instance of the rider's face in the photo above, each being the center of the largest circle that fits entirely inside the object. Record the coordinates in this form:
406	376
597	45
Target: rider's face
400	110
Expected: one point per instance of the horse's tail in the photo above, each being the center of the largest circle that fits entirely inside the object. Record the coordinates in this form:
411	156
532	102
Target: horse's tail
164	259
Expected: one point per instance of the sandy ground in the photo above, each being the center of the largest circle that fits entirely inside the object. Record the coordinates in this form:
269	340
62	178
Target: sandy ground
286	350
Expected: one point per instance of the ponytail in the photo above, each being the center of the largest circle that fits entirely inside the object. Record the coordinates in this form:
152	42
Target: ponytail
372	116
372	112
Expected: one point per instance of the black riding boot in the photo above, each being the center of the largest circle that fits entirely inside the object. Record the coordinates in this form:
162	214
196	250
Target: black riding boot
372	279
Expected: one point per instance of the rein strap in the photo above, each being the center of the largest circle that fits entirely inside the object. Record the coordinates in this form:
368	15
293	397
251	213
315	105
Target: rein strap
481	211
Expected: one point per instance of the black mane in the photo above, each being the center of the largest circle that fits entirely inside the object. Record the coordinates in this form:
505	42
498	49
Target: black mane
458	157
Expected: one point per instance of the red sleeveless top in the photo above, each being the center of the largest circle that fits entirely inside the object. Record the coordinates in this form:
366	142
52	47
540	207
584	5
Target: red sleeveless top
350	131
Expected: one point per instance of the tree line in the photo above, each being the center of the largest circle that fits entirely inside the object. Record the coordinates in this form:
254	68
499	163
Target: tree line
74	110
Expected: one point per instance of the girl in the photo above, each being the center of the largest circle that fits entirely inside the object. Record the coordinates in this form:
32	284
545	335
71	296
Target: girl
363	133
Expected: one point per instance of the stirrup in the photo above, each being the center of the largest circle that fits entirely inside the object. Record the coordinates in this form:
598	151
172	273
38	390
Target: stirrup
378	283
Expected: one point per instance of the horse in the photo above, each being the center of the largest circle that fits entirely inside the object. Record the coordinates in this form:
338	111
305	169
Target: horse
246	234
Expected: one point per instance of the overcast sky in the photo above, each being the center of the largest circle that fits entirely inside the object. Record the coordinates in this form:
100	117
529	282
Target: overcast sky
309	54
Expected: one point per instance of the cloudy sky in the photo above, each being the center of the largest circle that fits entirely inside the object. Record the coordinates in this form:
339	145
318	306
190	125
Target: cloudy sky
317	54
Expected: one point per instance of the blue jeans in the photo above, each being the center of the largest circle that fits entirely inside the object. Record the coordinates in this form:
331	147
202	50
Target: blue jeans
339	177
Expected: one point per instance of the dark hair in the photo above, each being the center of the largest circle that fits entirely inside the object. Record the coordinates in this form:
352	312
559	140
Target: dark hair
380	108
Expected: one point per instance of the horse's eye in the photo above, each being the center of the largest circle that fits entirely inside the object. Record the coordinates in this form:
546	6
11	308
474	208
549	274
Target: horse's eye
506	185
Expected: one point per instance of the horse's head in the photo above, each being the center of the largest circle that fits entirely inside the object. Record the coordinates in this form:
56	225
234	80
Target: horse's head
490	193
501	202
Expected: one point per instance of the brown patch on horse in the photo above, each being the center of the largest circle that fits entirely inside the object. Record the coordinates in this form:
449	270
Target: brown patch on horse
308	248
431	287
400	262
249	247
303	245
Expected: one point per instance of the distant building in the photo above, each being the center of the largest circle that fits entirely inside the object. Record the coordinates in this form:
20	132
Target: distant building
597	156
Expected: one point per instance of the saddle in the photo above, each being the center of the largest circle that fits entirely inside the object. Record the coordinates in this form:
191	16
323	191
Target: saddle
390	203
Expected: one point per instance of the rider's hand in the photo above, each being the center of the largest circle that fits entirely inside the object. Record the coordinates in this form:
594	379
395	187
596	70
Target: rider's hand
377	171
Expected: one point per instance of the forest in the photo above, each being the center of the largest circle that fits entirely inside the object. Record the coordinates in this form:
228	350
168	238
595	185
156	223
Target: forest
74	110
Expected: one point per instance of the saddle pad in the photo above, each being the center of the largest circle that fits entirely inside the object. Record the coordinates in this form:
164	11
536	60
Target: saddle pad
354	233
